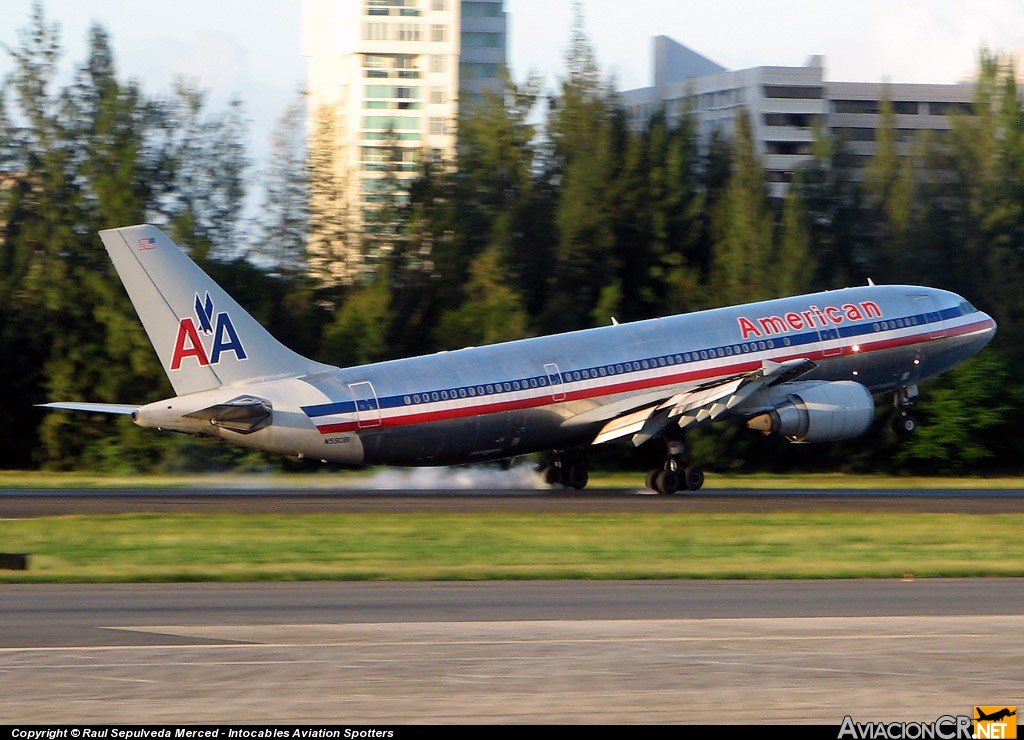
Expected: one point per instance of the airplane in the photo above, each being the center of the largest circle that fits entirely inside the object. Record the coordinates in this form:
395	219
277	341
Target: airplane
805	368
1003	713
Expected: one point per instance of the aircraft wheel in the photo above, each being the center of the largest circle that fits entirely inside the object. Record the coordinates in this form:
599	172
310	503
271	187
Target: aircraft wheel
652	478
576	477
666	482
693	478
552	475
904	425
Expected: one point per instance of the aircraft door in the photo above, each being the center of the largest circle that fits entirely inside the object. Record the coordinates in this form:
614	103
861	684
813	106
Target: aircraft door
831	344
925	304
367	405
554	381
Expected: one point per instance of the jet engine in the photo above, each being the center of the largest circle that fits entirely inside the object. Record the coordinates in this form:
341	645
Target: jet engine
818	411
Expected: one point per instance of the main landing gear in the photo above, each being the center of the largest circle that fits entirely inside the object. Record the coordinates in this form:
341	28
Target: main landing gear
673	476
563	473
904	423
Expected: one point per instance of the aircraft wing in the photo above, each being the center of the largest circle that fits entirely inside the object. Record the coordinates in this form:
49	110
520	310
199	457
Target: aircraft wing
704	402
99	408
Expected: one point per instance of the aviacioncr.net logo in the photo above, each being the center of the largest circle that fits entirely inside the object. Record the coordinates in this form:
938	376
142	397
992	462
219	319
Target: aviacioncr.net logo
946	727
995	722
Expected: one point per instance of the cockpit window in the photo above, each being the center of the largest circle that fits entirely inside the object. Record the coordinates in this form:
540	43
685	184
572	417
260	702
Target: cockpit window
966	308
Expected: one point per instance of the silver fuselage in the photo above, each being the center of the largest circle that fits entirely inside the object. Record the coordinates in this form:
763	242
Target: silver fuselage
554	392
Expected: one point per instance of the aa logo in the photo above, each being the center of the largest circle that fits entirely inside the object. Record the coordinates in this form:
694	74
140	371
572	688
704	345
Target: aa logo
219	332
995	722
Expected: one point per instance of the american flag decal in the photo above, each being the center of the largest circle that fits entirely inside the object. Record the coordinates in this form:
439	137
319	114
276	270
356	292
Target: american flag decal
147	243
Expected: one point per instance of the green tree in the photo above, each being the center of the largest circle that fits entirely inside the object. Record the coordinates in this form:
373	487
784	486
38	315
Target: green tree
586	255
586	141
971	414
833	201
793	271
936	252
743	225
92	155
483	203
80	152
658	221
988	151
579	112
334	250
678	201
385	228
25	322
283	223
493	184
359	332
493	311
889	183
206	154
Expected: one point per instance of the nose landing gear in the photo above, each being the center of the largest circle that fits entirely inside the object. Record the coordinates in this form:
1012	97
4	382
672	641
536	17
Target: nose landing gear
904	423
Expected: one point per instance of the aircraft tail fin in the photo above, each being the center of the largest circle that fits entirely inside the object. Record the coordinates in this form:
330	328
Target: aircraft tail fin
203	338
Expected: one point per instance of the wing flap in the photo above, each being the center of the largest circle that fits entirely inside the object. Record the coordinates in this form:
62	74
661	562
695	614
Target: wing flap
623	425
706	402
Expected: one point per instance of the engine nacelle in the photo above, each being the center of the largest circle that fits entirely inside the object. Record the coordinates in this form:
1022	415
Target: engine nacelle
818	411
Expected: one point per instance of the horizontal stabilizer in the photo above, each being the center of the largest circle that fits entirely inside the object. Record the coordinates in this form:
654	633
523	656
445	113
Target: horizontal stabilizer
99	408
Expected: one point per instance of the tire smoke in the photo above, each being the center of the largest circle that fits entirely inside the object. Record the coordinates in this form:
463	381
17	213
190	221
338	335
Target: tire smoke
521	476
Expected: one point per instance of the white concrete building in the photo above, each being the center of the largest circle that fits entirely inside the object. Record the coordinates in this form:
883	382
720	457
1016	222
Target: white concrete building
784	104
393	73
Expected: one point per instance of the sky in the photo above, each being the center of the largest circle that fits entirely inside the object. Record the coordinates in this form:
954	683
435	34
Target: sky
252	49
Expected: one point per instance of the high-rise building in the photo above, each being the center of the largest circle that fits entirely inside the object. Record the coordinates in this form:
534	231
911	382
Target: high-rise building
385	82
784	105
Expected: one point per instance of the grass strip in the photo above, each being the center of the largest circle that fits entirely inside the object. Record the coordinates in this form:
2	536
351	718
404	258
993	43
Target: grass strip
472	546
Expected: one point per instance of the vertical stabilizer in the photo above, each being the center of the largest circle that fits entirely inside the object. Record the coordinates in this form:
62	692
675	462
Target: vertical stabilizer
203	338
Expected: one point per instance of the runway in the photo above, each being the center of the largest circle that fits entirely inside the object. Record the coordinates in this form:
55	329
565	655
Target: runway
708	652
20	503
522	652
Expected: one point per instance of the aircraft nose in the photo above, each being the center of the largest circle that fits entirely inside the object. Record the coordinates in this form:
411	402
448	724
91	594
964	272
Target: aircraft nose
988	331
